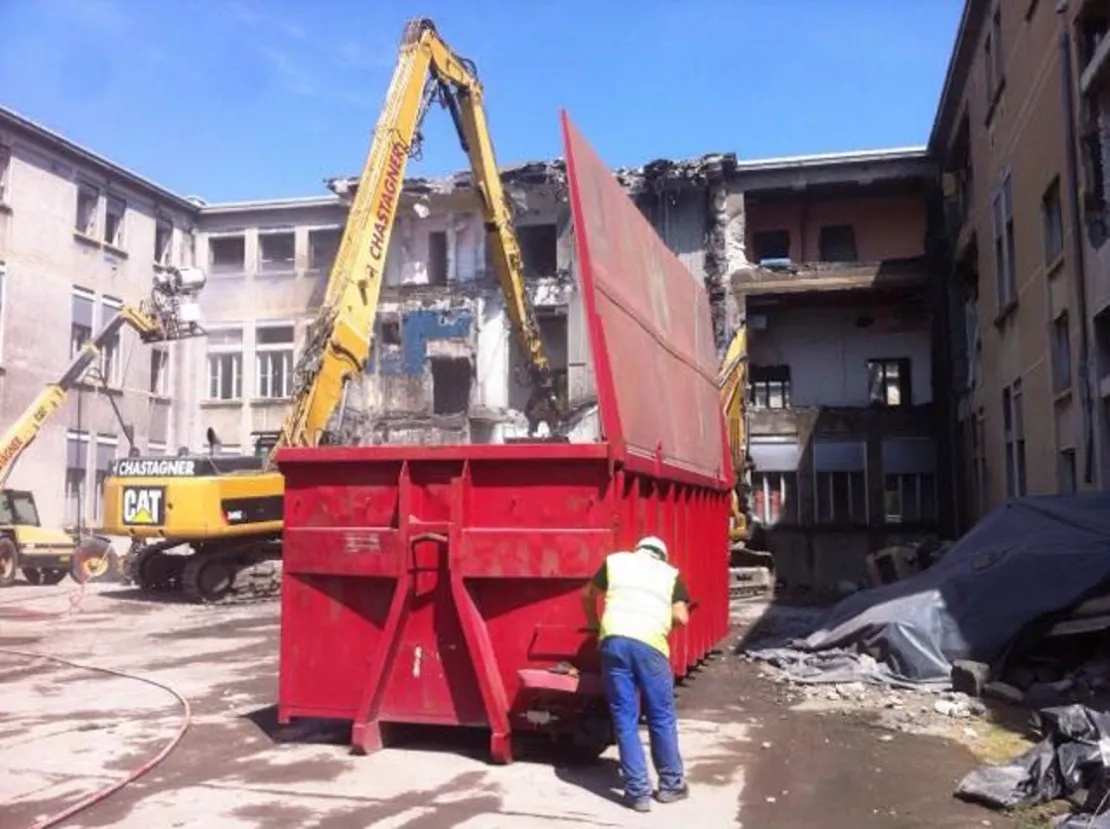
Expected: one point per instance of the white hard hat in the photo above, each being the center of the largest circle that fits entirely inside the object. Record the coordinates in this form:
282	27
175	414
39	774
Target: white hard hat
654	545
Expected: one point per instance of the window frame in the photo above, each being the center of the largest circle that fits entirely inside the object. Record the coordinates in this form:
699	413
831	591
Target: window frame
87	188
1002	221
84	441
215	353
114	200
849	242
164	258
275	266
111	370
786	484
763	380
264	353
855	478
1013	437
904	380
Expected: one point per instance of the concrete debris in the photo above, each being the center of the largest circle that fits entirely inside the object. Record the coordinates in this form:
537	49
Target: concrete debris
970	677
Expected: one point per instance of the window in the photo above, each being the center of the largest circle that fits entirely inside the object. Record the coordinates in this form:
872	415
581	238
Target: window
1013	418
111	361
163	242
1052	222
105	454
160	372
840	482
889	382
390	333
1003	215
115	209
539	249
81	320
979	462
437	257
837	243
774	493
225	364
770	387
771	245
992	57
227	254
274	361
5	173
450	385
909	480
88	200
1068	479
323	245
277	251
77	451
1061	353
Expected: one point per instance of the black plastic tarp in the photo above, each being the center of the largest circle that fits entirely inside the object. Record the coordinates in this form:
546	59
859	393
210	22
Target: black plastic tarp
1027	558
1071	761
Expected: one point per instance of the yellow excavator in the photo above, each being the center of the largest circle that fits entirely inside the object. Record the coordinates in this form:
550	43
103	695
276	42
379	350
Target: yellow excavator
732	381
210	526
45	555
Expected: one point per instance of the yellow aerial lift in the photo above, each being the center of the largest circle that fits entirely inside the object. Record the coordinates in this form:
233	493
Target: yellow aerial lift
45	555
228	512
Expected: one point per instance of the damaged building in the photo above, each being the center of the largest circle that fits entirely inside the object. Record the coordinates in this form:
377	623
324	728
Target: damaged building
843	419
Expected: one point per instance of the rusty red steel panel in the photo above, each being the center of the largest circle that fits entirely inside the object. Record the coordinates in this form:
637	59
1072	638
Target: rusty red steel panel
441	584
650	325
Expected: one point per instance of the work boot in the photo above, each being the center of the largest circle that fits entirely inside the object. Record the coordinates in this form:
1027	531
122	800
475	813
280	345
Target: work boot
673	795
641	803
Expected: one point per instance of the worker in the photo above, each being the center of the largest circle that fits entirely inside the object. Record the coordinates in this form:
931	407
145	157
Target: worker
644	596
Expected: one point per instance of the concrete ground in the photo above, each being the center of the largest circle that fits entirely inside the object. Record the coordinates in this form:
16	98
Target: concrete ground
65	732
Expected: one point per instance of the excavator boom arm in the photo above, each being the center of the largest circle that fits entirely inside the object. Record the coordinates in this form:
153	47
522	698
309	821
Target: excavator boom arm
338	342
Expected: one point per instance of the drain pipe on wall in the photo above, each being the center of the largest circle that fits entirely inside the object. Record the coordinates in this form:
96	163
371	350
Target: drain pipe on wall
1084	372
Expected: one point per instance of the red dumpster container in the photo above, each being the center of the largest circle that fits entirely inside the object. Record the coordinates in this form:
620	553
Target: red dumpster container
441	584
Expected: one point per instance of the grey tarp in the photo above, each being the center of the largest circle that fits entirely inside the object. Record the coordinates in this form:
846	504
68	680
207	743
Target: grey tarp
1027	558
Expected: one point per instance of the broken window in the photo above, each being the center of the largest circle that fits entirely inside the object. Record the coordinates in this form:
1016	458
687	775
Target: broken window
774	497
450	385
88	200
323	245
274	361
909	480
81	319
160	372
163	242
553	334
277	251
390	332
1061	353
770	387
1052	226
115	210
837	243
889	382
227	254
111	358
539	245
840	481
1013	420
225	364
437	257
771	245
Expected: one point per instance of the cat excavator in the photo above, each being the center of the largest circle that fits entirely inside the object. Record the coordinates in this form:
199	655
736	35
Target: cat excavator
210	526
45	555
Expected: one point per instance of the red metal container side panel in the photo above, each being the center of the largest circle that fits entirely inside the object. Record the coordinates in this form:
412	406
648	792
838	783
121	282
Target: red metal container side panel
650	326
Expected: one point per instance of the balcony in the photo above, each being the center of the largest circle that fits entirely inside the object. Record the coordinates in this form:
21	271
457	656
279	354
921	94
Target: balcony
797	278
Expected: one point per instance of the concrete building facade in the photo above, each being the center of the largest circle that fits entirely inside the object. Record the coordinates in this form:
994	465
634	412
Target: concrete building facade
79	236
1020	136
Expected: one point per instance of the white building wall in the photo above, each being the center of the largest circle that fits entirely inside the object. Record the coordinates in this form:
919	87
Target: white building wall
828	352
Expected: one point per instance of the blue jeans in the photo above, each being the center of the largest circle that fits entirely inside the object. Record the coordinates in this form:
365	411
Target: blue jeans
628	665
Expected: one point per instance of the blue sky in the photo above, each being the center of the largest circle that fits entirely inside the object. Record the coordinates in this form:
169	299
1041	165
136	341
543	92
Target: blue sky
239	99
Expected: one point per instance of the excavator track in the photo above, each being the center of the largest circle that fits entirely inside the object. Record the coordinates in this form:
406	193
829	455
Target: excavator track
240	574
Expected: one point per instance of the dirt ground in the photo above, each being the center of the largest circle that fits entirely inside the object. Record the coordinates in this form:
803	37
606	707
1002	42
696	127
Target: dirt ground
752	758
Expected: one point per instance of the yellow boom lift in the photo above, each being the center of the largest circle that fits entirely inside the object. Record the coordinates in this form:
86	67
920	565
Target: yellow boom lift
225	514
44	554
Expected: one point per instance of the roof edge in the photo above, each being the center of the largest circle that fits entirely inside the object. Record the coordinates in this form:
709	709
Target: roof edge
971	21
66	145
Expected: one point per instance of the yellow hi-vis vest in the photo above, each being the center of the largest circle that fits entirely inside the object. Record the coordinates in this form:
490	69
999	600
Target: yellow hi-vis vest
638	599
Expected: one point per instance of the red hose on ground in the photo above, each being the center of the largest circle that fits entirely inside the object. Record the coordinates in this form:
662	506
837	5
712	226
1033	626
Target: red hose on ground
135	774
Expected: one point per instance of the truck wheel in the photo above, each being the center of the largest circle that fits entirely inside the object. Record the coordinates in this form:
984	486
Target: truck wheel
9	562
39	576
